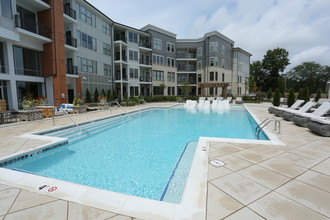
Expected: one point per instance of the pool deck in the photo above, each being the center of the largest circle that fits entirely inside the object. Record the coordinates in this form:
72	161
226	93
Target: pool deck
257	181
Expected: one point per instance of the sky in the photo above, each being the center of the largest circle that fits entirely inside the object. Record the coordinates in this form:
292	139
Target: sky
302	27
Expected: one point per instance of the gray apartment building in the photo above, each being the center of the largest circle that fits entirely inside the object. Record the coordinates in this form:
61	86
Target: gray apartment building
59	49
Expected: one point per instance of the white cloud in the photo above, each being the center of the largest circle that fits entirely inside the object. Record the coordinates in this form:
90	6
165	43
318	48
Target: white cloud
300	26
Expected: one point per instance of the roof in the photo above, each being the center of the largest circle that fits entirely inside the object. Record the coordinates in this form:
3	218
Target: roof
163	31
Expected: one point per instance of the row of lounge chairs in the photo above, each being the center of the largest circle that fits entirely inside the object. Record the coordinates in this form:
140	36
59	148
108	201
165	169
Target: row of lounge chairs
317	120
215	105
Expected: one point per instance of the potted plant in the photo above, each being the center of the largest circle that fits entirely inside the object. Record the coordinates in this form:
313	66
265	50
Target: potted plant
102	99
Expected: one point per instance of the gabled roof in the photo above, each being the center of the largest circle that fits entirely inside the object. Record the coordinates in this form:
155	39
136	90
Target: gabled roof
152	27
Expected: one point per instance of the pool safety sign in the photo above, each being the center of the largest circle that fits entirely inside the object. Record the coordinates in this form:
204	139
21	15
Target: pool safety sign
47	188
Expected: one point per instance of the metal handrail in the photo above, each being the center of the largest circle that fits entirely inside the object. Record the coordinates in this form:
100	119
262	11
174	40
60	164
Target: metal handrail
81	130
117	104
264	123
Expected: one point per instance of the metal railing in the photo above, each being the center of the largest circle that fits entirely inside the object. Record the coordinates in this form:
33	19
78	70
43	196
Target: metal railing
32	26
116	104
69	11
66	113
71	41
71	69
264	123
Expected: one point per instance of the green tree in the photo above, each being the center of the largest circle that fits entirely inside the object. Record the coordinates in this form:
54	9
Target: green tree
88	96
291	97
277	97
185	88
301	94
274	62
96	95
251	84
281	85
258	73
110	95
309	74
103	92
269	94
305	94
318	95
162	87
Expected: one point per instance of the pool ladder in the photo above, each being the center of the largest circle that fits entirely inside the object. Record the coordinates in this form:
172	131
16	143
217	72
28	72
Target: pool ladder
117	104
264	123
80	129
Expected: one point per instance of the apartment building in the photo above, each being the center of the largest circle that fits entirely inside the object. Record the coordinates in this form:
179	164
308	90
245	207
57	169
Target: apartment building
61	48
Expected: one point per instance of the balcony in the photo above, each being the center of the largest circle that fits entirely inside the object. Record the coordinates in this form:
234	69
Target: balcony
121	38
69	11
32	26
122	58
71	41
145	62
72	70
37	5
119	78
145	79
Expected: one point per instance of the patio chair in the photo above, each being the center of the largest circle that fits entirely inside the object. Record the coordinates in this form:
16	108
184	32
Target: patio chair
289	113
230	99
302	119
274	109
320	125
187	104
239	100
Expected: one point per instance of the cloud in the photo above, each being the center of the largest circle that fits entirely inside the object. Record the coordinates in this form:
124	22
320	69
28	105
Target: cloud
300	26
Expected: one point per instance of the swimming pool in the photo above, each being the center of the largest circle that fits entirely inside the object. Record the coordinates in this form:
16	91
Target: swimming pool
146	153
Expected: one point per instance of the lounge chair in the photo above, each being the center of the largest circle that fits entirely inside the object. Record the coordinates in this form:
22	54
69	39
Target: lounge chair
230	99
66	107
289	113
283	101
320	126
274	109
302	119
187	104
239	100
200	104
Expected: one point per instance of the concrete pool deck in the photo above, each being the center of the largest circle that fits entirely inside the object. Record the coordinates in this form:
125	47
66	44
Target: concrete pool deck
257	181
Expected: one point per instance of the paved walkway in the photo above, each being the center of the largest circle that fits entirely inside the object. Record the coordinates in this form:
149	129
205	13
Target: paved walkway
257	181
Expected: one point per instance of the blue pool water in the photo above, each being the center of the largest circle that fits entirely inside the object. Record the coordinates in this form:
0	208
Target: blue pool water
139	153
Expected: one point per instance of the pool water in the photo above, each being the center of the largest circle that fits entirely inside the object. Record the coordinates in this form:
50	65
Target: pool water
146	154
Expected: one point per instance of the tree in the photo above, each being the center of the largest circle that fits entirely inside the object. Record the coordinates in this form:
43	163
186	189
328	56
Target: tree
185	88
88	96
96	95
281	85
291	97
318	95
162	87
110	95
252	84
277	97
102	92
269	94
305	94
309	74
258	74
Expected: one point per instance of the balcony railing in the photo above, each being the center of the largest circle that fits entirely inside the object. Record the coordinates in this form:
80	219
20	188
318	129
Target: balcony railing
32	26
145	62
69	11
117	58
71	41
118	77
71	69
145	79
121	38
186	56
145	44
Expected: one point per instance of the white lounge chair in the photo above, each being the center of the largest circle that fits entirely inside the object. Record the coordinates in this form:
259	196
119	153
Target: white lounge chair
320	125
302	119
274	109
288	114
200	104
239	100
187	104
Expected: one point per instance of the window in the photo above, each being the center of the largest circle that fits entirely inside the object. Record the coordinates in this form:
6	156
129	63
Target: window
87	66
2	62
107	70
173	77
82	13
133	55
169	89
84	40
199	65
169	77
211	76
168	61
26	61
223	63
168	46
133	73
94	44
199	52
213	46
158	75
172	62
223	49
106	28
107	49
89	17
216	76
213	61
223	77
158	44
86	15
157	59
79	38
6	9
172	48
199	77
211	91
133	37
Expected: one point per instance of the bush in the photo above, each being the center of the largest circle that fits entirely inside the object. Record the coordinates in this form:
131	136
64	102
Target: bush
269	94
318	95
160	99
88	97
277	97
291	97
305	95
96	95
300	94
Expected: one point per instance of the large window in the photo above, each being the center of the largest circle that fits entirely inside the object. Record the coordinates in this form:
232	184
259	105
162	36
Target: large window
87	66
28	89
133	37
158	75
199	52
2	62
107	49
133	55
86	41
106	28
27	62
157	59
86	15
214	61
107	70
158	44
213	46
133	73
6	9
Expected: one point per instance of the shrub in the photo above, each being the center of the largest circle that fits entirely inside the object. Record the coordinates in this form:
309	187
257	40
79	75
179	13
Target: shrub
277	97
269	94
305	95
88	97
96	95
291	97
318	95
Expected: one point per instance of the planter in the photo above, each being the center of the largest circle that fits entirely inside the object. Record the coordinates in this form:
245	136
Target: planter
79	109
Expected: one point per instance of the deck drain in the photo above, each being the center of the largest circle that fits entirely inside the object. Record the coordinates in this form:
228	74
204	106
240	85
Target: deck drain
217	163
